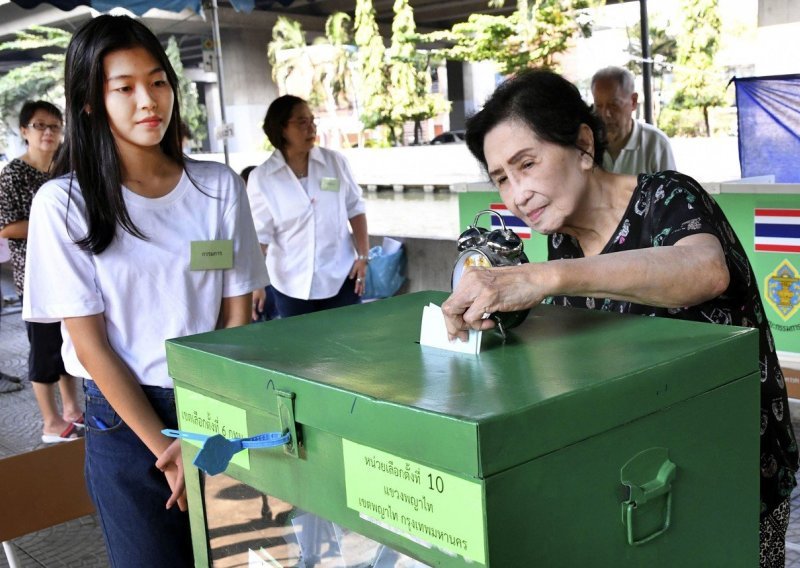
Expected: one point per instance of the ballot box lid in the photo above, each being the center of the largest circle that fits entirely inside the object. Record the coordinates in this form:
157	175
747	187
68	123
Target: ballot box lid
563	376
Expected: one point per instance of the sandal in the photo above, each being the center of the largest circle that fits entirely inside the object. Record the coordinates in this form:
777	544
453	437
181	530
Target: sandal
6	385
79	422
11	378
69	434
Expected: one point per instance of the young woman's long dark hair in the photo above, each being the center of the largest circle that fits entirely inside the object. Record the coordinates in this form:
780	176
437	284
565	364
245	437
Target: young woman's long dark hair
89	152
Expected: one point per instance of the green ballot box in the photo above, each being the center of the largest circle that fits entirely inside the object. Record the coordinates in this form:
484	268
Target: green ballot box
584	439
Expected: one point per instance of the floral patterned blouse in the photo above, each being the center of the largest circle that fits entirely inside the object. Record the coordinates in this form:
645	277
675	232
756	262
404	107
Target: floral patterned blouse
666	207
19	181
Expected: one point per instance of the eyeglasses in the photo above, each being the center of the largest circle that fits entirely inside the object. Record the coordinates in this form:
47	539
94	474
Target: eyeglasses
41	127
304	122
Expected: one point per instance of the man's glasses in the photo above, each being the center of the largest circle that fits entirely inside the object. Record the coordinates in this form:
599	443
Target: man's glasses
41	127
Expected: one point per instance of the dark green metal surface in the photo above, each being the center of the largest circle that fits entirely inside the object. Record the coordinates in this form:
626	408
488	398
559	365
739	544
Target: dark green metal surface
544	422
565	374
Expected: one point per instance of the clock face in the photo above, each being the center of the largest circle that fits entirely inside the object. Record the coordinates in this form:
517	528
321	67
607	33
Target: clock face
466	259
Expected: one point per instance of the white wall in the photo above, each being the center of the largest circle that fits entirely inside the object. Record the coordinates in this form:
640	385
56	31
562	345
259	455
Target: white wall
773	12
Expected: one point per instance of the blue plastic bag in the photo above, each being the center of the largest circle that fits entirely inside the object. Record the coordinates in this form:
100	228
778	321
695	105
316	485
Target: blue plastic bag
386	273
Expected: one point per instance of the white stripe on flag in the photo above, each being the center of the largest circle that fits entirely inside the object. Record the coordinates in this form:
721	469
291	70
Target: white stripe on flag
776	241
777	220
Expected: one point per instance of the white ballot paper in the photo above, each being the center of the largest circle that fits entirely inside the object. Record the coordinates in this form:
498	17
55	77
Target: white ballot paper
433	333
391	246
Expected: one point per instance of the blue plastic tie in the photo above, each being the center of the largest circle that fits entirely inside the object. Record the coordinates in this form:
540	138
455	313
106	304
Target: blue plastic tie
217	451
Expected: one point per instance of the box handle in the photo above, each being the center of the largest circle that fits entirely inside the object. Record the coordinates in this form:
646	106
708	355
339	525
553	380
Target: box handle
648	476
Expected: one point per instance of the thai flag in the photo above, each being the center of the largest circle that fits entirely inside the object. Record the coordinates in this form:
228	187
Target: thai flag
777	230
514	223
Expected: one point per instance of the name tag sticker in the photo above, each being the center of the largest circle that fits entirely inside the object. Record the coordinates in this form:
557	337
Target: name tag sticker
211	255
329	184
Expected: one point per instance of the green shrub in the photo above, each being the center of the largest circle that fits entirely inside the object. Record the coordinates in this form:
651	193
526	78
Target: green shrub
685	122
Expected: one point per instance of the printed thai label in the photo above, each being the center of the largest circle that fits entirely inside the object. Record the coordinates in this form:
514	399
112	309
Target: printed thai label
430	507
329	184
211	255
204	415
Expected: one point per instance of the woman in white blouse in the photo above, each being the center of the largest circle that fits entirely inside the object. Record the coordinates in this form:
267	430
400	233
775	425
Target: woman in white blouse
302	199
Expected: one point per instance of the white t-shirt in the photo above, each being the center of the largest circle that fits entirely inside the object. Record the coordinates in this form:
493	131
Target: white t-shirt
144	288
311	249
646	152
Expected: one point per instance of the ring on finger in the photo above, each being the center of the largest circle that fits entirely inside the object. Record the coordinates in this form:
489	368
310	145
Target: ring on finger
486	315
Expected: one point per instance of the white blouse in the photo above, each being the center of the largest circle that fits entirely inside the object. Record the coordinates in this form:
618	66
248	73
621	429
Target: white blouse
311	250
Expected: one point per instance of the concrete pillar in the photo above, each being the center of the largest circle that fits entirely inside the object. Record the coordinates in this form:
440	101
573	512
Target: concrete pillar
455	92
468	86
777	38
248	85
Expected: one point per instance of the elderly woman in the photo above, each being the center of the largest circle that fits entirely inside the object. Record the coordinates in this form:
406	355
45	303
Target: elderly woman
302	199
655	245
40	125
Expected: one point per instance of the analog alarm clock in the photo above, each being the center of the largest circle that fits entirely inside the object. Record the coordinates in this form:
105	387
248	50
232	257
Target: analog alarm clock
489	248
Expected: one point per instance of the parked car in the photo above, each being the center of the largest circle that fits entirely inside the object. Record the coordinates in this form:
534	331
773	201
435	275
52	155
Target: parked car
449	137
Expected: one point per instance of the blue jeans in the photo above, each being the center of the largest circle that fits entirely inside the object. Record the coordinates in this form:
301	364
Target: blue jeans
288	306
128	491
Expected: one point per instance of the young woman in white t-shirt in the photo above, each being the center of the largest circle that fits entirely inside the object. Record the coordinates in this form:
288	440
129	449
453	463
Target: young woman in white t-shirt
109	256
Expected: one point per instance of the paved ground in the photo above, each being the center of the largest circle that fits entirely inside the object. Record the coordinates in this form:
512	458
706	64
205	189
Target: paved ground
79	543
74	544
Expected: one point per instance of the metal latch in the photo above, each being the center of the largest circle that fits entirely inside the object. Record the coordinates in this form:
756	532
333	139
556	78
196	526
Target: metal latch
286	416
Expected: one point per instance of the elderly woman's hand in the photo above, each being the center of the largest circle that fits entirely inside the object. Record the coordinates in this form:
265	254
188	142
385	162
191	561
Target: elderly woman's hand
483	291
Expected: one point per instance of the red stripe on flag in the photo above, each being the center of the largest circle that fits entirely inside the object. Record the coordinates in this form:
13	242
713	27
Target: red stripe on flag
498	207
777	248
777	212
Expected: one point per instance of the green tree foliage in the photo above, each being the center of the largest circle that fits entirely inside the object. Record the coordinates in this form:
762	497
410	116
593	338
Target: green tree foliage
333	58
192	112
532	36
375	106
338	33
387	88
409	79
699	84
663	48
320	73
42	79
287	35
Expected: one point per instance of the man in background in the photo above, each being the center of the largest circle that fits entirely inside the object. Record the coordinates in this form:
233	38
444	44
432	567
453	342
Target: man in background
633	147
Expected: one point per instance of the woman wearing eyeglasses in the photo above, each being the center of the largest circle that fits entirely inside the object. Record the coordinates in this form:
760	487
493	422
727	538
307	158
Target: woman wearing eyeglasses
302	199
40	125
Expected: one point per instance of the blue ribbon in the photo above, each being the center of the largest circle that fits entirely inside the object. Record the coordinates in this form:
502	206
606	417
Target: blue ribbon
217	451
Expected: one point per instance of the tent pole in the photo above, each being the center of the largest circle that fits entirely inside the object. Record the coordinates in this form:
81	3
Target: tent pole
647	63
220	73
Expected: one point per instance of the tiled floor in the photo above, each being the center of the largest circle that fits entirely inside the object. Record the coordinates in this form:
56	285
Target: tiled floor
79	543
